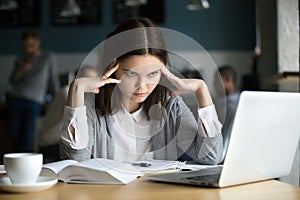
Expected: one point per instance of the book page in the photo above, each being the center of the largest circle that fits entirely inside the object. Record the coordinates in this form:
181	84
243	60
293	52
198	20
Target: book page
100	171
107	165
56	167
87	175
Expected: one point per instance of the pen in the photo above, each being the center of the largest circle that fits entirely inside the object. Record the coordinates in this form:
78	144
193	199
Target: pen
185	169
142	164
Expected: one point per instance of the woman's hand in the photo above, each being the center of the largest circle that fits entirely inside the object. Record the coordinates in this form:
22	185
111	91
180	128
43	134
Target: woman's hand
93	84
89	84
184	86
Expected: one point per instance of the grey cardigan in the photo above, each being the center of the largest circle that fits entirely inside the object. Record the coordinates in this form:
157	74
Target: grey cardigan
177	139
35	83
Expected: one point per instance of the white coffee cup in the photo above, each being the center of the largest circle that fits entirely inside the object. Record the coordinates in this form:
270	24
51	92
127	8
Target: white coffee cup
23	168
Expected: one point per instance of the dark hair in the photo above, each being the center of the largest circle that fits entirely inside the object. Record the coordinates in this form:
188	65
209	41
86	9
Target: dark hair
107	100
228	71
29	34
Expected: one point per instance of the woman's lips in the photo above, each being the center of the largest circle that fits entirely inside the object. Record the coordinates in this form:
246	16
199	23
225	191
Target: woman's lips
140	94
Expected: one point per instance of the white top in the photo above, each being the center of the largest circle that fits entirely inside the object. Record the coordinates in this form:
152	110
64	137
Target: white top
132	132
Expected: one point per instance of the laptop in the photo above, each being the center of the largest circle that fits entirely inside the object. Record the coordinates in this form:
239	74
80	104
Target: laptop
263	143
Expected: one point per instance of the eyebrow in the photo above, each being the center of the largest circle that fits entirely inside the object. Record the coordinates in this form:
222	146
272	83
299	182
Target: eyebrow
124	69
154	71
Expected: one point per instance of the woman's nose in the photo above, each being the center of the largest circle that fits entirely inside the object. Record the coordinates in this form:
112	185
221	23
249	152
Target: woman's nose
140	82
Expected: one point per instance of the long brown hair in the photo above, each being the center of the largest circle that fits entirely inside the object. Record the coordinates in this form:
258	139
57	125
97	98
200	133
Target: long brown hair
107	100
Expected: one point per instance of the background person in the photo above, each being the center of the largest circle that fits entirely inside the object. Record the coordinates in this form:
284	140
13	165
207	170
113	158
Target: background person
34	74
229	78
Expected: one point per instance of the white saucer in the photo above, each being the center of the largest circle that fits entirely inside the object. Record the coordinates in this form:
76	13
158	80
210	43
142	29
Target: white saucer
42	183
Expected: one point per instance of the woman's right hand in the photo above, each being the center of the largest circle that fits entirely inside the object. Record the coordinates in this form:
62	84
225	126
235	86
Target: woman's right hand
89	84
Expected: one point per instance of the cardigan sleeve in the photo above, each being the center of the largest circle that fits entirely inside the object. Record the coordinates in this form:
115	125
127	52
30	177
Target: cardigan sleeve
78	147
202	141
208	120
75	117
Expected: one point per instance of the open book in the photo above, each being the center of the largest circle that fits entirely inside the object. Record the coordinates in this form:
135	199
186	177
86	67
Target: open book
94	171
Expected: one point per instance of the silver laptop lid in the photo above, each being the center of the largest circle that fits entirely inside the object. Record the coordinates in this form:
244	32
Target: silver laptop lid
264	138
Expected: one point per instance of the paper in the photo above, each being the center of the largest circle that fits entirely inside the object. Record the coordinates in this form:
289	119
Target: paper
147	166
157	165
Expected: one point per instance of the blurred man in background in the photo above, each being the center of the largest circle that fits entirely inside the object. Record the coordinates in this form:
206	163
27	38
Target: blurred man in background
34	75
229	79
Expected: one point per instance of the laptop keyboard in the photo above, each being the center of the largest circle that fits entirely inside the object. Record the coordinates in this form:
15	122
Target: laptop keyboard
206	178
207	175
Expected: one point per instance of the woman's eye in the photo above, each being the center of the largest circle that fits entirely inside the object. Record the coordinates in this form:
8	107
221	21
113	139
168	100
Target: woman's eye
130	73
152	74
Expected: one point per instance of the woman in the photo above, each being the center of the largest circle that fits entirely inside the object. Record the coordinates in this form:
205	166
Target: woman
135	115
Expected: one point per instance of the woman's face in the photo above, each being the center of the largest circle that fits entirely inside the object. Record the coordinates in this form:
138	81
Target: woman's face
139	75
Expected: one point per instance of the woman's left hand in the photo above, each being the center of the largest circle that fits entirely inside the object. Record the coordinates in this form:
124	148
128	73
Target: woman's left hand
184	86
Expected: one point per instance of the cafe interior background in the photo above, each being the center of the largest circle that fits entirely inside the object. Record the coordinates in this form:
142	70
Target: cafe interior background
258	38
